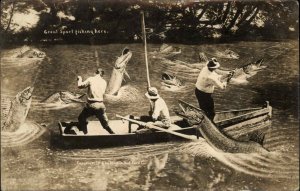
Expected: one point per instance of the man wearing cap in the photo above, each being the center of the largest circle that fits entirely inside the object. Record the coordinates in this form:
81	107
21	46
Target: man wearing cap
158	108
205	85
96	88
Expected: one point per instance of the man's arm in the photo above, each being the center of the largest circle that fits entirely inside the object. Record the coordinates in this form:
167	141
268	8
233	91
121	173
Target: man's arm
156	110
104	85
218	83
82	84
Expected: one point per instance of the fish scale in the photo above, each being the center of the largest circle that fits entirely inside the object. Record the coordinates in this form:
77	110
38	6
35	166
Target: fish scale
5	106
18	110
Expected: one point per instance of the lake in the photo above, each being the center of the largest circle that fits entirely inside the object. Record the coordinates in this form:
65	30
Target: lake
37	165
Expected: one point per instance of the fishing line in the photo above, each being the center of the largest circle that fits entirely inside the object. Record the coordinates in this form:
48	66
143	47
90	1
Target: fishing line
39	70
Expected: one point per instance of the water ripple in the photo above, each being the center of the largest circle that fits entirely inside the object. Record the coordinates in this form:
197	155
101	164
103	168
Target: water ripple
27	133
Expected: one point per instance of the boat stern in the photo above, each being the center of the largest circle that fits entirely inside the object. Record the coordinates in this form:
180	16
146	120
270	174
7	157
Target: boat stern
269	108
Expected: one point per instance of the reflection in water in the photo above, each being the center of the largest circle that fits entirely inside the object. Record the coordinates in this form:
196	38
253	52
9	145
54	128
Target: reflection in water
165	166
152	171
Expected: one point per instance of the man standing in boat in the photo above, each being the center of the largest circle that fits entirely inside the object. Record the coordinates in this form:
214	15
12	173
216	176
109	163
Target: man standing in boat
158	109
205	85
96	88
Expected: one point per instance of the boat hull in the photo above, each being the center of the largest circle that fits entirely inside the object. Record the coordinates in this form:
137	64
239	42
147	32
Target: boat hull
235	123
97	141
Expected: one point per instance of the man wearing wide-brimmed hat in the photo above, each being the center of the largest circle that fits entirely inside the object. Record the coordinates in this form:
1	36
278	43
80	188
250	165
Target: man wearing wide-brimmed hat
96	88
158	108
205	85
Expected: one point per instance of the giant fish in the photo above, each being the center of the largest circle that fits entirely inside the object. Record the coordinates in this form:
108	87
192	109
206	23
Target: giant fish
65	97
216	138
166	51
28	52
229	54
170	80
18	110
224	143
241	74
118	72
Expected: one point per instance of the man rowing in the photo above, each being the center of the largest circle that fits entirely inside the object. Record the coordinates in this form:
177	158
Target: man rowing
96	88
205	85
159	113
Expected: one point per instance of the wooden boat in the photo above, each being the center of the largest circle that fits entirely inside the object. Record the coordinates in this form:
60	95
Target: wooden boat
243	120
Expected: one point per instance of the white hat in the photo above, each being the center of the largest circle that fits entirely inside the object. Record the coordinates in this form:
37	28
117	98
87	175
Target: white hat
213	63
152	93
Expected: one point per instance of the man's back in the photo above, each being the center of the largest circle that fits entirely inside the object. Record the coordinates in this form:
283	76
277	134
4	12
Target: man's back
96	88
160	109
207	80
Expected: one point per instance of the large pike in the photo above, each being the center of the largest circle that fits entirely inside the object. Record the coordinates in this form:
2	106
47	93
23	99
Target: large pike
18	110
166	51
65	97
216	138
118	72
224	143
170	80
241	74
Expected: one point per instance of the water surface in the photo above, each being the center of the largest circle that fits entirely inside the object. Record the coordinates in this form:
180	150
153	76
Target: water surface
175	165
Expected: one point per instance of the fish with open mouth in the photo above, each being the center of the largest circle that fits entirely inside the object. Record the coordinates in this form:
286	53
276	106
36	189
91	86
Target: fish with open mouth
215	137
65	97
166	51
18	110
241	74
229	54
170	80
118	72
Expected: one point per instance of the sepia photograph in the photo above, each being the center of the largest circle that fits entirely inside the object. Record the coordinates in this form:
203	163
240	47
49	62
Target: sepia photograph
182	95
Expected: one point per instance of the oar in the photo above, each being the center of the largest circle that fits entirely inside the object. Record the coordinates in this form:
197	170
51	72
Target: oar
189	137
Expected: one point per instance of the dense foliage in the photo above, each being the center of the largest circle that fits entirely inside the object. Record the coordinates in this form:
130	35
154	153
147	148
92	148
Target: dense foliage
182	21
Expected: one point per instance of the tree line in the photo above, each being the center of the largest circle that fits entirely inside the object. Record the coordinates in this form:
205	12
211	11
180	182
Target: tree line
180	21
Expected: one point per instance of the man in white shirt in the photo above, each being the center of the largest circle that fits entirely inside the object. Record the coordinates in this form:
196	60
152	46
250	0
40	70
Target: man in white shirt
205	85
158	109
96	88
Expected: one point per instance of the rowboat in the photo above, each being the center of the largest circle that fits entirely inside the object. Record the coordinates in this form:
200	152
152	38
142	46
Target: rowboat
230	122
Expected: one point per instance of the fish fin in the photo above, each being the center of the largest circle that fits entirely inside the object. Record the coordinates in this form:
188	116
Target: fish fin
257	137
126	73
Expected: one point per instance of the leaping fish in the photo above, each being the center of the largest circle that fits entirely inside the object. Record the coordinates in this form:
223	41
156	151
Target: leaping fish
65	97
229	54
166	51
18	110
215	137
170	80
241	74
118	72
